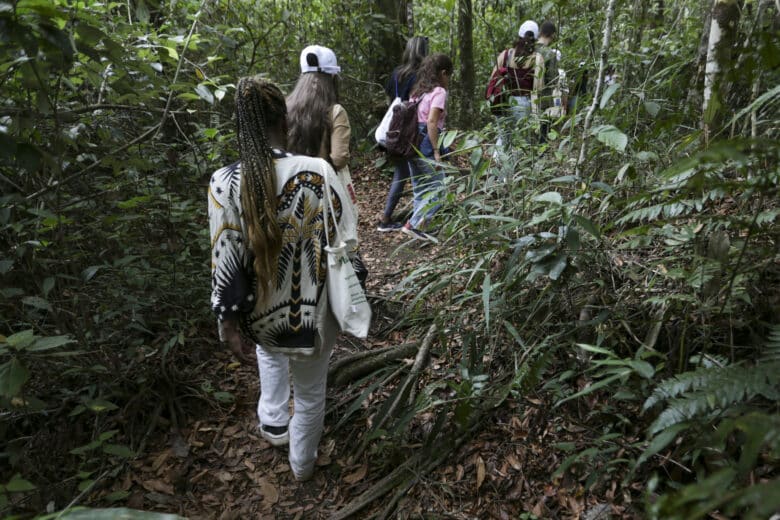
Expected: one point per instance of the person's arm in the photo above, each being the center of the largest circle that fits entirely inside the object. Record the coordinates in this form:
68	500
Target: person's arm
231	266
242	348
433	130
339	138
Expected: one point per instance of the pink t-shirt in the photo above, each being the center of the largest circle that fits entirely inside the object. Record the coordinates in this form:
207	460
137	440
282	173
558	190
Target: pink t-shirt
436	98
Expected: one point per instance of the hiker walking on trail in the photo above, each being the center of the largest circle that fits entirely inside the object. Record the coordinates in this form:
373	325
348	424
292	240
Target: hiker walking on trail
433	80
519	60
318	124
266	219
545	76
400	86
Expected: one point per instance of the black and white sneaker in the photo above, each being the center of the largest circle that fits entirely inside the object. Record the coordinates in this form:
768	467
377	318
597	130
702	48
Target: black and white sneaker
417	234
384	227
276	435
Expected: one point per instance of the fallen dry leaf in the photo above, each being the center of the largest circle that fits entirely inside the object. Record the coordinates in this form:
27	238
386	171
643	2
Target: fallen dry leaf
480	472
157	485
358	475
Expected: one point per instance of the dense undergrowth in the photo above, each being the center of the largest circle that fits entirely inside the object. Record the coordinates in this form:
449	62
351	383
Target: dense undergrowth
642	281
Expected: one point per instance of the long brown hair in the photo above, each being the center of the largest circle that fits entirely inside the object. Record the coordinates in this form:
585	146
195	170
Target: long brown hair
415	52
308	112
260	107
428	73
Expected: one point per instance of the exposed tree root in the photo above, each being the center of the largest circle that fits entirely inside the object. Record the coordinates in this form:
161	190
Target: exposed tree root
362	363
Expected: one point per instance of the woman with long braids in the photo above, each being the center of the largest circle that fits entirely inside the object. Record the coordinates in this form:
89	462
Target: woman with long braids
268	267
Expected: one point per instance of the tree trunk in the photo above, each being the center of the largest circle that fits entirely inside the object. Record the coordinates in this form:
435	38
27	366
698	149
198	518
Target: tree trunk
599	82
388	44
466	53
694	89
725	15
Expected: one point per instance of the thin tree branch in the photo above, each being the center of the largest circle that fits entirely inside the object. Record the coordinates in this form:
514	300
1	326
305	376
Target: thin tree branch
599	82
94	164
178	66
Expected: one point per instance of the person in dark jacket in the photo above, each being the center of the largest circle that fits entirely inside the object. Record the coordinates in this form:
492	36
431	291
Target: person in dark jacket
400	85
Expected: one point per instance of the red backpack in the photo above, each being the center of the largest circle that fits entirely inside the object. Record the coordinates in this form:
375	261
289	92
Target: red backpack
403	137
505	82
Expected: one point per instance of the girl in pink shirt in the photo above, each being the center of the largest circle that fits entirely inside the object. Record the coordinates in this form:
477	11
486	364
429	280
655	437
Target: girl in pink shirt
433	79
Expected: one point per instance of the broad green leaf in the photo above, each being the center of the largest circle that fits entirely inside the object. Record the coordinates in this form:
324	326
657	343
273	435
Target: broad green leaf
48	285
21	340
612	137
550	196
142	12
205	94
114	513
18	485
652	108
596	350
37	302
13	375
5	266
100	405
643	368
448	138
559	264
49	343
608	94
118	450
224	397
587	225
172	53
89	273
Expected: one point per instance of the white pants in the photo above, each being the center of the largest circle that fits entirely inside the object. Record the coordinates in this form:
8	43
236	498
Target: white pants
309	379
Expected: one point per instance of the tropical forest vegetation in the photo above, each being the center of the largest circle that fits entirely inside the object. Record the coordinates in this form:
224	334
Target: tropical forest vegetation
597	334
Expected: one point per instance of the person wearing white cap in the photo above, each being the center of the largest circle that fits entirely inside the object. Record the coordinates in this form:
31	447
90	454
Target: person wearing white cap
519	61
318	124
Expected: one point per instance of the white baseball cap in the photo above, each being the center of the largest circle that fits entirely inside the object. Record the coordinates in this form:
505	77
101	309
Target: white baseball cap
316	58
528	25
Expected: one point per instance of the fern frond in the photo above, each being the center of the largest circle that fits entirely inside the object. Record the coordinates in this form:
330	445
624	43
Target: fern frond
771	350
654	212
709	391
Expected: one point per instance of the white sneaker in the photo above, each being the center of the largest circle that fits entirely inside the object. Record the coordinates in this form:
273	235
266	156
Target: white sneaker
276	435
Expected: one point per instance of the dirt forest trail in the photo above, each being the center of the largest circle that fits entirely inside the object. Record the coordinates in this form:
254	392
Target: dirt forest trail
216	465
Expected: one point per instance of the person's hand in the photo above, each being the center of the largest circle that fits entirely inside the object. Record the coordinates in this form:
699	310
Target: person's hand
243	349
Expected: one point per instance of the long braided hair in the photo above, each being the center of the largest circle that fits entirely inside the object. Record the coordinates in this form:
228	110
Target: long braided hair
260	106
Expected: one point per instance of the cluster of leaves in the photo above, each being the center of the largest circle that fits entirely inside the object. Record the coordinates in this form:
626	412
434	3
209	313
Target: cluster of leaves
557	273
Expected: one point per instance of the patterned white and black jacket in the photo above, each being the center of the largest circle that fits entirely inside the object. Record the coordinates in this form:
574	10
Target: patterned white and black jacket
295	319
